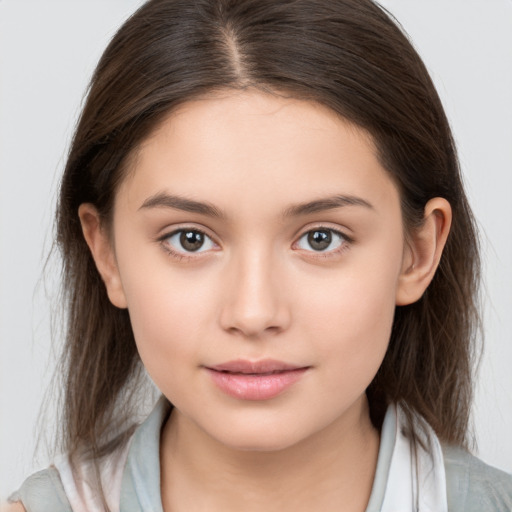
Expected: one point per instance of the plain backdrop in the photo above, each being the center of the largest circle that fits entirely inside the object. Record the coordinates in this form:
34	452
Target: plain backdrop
48	50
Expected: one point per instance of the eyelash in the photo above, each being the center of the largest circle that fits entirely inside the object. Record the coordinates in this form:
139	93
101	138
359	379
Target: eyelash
184	256
345	242
180	256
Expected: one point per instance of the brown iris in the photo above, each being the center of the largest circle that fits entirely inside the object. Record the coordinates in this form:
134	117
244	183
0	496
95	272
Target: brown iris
319	240
191	240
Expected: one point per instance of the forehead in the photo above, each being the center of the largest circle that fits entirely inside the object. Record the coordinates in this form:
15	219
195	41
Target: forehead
245	149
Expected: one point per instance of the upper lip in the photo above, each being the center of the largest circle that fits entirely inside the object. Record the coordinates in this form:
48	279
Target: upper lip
255	367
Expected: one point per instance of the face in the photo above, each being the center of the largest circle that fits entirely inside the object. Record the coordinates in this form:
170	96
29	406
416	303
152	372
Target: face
258	245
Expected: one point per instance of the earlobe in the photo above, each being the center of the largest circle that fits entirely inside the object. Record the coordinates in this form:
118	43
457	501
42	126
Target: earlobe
102	252
423	251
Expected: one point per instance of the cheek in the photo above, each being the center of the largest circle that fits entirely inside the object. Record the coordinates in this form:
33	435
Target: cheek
352	317
166	312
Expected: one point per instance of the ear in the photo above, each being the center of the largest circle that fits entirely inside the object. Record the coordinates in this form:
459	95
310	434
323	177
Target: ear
102	251
423	251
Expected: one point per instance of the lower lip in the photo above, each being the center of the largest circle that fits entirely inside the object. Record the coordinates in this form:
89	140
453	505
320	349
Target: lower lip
255	386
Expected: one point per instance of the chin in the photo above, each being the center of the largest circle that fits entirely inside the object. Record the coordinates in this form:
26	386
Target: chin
260	436
260	445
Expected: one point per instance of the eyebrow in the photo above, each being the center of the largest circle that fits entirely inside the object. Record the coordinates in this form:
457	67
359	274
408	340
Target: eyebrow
164	200
328	203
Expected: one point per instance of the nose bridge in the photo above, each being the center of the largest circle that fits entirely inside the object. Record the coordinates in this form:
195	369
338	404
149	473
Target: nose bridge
255	302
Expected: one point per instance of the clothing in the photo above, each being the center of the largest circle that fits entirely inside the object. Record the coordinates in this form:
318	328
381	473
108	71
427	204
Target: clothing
442	479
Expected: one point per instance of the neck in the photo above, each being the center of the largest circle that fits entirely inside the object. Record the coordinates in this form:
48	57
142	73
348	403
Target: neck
331	470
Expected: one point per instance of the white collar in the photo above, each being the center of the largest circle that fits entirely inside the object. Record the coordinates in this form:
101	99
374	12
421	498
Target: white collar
416	480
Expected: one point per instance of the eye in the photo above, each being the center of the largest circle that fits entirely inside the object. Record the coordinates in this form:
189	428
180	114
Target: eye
322	240
188	241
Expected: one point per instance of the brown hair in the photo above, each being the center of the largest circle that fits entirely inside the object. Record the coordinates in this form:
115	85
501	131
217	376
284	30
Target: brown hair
345	54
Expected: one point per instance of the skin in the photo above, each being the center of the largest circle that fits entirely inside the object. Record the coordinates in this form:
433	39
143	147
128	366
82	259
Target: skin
257	289
14	507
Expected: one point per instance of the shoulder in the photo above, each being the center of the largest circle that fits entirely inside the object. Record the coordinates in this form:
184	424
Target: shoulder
40	492
13	507
473	486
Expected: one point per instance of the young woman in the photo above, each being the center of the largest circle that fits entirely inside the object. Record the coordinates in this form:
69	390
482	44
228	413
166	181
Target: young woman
262	209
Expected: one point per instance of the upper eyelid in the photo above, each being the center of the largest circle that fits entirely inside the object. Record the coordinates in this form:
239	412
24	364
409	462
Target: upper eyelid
326	227
166	233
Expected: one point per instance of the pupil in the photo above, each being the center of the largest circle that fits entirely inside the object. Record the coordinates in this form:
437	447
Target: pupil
191	240
319	240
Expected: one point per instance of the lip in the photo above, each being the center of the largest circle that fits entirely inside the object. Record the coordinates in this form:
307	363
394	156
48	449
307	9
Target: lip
255	380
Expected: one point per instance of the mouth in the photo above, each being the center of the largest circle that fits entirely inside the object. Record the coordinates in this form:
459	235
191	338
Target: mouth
258	380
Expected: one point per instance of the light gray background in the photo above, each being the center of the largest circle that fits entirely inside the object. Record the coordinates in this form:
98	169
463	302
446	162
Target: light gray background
48	50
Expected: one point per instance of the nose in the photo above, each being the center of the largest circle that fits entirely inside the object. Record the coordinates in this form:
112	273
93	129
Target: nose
255	302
